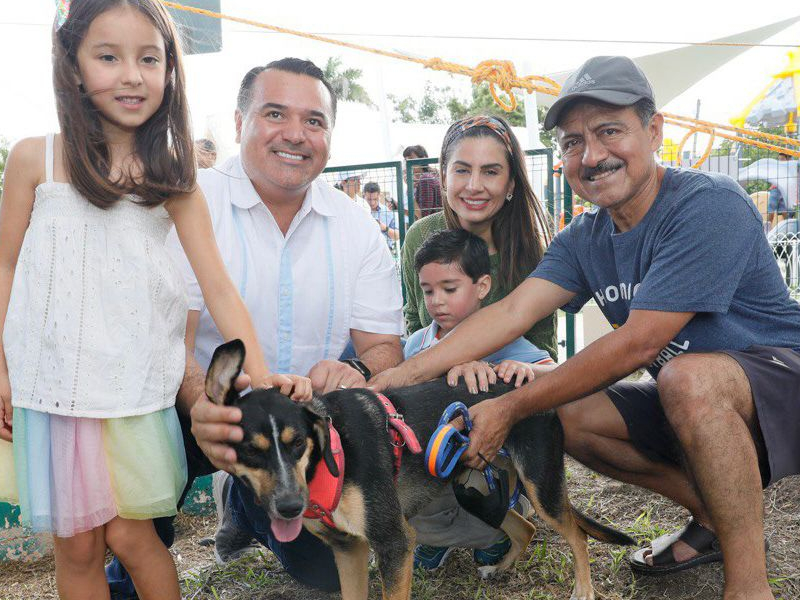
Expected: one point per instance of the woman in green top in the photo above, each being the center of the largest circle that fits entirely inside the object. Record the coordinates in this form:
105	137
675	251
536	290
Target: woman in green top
487	193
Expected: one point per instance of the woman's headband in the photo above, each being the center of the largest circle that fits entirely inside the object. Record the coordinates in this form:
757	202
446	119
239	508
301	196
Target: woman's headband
492	123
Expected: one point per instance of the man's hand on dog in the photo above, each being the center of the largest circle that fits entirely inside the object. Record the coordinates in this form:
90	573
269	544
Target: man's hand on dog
329	375
5	408
491	422
215	427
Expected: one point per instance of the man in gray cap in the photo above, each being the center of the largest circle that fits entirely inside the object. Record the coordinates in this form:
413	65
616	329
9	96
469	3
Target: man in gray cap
699	303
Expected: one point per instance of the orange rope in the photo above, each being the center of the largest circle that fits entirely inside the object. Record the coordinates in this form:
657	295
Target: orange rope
707	151
740	139
750	132
497	73
502	74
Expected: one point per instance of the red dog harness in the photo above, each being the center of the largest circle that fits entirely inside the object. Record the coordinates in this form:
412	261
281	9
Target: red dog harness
325	490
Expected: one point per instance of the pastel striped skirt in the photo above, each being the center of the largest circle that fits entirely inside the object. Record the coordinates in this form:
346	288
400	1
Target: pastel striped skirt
72	474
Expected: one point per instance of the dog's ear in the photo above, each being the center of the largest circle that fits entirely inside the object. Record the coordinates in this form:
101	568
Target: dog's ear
319	424
222	372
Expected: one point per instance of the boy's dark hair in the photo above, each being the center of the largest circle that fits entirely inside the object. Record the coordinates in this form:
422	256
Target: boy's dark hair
288	65
455	246
371	186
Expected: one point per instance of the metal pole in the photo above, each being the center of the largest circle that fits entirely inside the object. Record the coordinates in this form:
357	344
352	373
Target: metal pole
532	114
694	143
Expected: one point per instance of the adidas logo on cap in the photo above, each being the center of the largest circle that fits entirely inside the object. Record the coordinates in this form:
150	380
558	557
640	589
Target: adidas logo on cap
585	80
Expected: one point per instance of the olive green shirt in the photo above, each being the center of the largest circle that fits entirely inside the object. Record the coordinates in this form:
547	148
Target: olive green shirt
542	334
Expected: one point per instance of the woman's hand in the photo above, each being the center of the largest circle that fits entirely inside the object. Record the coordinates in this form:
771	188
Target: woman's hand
478	375
509	369
395	377
5	407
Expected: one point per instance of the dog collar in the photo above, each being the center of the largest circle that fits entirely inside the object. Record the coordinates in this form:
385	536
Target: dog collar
325	490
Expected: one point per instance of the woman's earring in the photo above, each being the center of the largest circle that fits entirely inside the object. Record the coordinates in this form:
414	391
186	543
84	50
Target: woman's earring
509	196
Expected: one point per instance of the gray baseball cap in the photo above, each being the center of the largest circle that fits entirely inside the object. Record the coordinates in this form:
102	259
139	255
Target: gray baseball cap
612	79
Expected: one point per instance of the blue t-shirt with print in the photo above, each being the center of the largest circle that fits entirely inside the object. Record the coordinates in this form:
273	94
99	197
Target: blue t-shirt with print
700	248
520	349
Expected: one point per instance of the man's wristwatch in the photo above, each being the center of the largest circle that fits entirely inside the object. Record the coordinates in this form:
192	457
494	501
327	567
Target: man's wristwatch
359	366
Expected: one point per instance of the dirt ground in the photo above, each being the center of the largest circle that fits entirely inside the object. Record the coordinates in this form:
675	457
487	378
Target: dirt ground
544	572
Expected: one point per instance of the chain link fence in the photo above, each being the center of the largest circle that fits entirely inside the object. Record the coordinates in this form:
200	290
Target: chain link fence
378	188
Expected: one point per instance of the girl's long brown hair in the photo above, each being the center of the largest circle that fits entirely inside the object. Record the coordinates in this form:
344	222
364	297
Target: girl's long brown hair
520	229
163	144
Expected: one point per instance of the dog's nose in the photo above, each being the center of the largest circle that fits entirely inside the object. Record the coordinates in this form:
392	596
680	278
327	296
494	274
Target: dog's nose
289	507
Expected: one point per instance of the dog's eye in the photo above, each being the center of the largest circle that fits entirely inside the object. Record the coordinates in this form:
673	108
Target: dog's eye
299	443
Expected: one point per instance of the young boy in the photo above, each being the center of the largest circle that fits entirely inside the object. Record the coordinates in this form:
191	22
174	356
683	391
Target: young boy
453	268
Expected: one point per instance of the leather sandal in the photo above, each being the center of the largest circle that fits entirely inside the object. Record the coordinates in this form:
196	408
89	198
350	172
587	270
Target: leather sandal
695	535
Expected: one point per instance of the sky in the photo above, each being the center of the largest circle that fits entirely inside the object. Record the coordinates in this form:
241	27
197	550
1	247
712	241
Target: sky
424	30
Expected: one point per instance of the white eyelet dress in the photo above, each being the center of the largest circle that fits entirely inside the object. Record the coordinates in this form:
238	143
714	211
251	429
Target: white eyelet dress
94	341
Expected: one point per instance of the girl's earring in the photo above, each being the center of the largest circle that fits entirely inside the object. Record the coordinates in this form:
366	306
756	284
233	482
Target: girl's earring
509	196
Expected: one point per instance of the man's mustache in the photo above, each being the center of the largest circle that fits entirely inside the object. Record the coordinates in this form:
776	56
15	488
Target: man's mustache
602	167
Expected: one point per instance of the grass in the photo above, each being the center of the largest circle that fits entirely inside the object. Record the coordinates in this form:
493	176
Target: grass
544	572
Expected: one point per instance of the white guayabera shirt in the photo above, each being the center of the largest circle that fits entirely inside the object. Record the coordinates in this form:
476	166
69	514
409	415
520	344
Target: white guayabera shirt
331	271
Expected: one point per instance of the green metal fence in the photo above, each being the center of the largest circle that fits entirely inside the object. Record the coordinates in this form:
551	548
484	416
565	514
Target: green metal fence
351	179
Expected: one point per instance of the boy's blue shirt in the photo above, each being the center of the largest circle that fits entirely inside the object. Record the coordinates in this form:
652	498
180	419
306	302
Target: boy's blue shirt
520	349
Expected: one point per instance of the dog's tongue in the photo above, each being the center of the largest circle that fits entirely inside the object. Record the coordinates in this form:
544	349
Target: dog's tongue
286	530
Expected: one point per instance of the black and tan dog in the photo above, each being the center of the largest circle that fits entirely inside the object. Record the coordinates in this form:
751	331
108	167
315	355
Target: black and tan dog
285	442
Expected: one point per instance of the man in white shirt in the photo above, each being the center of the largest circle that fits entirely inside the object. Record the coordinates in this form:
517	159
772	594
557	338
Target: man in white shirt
312	268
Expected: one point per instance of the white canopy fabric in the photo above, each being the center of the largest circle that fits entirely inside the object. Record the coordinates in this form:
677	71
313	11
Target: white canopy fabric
673	72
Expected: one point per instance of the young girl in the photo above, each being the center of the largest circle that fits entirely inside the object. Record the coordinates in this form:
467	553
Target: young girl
93	325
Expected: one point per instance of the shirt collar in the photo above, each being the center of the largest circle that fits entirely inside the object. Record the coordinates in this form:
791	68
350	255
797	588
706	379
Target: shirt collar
319	195
429	338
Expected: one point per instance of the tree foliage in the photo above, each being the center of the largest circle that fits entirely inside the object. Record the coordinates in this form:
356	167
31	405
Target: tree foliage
345	82
432	108
439	104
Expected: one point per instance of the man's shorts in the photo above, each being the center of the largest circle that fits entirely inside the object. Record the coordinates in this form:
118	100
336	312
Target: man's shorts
776	203
774	375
